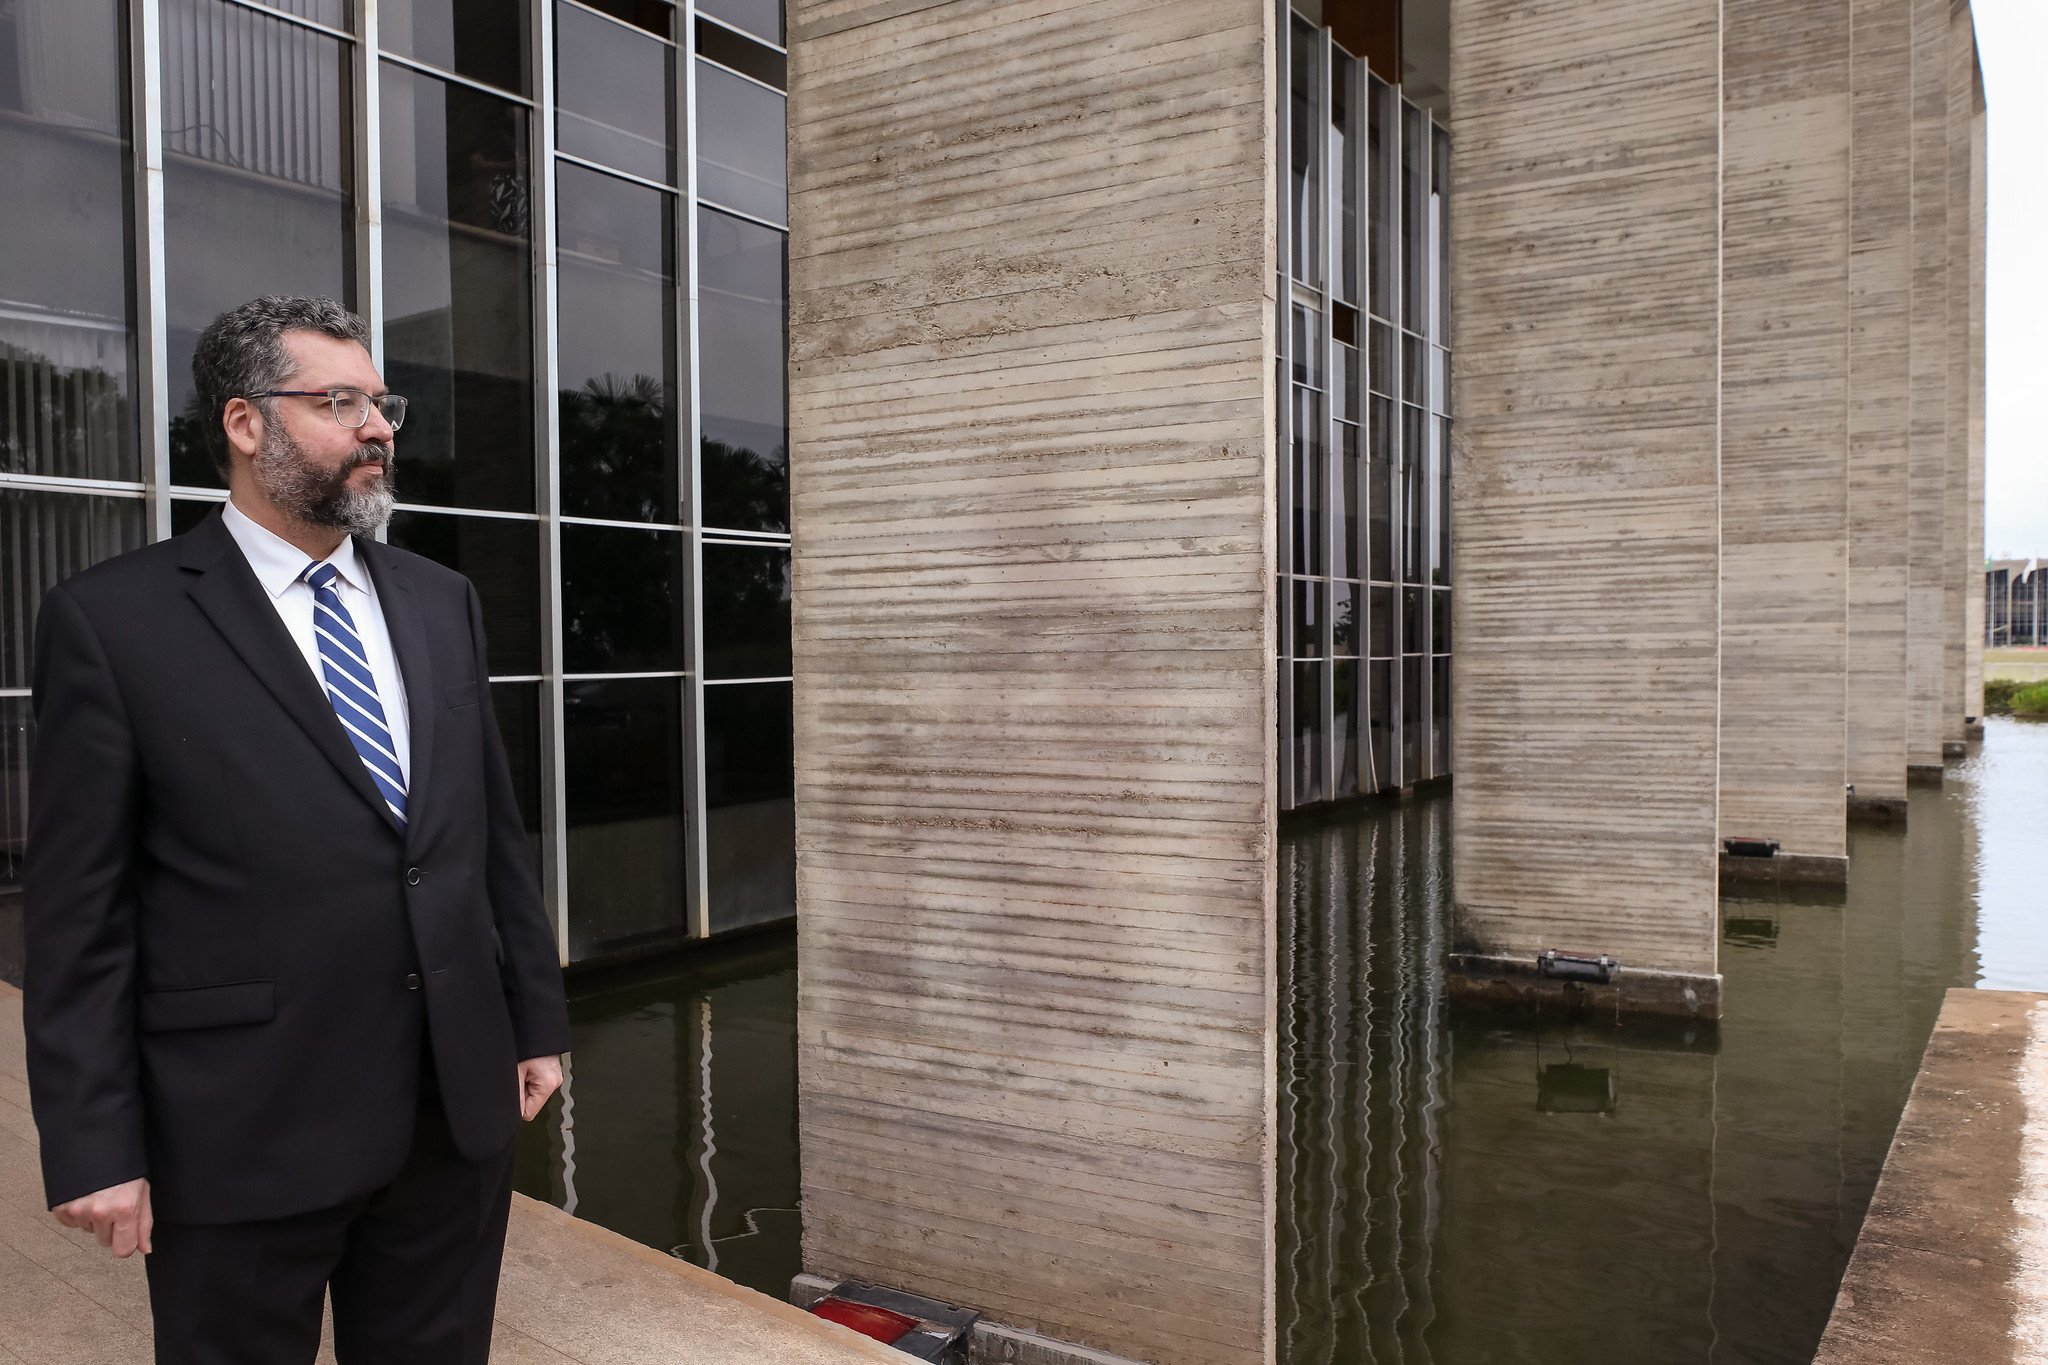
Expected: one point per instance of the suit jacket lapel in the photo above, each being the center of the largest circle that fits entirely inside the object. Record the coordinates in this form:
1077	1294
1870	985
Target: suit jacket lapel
225	588
402	618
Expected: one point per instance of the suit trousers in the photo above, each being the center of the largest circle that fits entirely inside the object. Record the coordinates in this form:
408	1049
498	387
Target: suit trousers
412	1269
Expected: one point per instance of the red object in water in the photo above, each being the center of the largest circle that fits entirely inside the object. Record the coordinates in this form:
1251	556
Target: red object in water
879	1323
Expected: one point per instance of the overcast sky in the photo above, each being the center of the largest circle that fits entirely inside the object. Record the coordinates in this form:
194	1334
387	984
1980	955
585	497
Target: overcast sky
2012	36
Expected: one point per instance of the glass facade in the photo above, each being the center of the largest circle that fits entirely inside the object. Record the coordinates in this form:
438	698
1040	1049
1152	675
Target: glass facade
566	223
1364	587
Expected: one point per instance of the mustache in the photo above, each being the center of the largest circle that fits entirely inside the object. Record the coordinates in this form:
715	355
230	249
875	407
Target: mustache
377	451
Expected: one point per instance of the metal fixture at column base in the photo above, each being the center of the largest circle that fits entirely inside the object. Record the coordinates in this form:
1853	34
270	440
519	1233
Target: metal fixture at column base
1923	774
1524	985
984	1342
923	1329
1807	869
1750	848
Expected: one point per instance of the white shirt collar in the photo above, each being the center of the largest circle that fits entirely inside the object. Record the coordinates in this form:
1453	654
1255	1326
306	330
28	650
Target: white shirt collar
279	563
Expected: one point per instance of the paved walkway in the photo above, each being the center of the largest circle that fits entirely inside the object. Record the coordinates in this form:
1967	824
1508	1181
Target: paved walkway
571	1291
1952	1264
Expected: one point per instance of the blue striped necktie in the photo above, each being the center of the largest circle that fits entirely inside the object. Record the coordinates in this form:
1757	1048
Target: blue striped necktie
351	689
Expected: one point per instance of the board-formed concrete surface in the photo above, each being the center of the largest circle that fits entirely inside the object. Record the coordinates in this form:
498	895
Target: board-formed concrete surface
1952	1263
570	1292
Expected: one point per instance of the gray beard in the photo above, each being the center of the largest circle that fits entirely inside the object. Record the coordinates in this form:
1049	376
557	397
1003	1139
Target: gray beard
305	494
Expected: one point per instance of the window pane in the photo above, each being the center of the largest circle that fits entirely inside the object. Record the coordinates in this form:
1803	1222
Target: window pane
258	189
1380	491
1345	603
622	600
17	734
1305	203
743	296
502	558
1309	606
1441	183
458	294
1343	175
740	153
762	18
1380	623
1308	732
1379	728
1383	358
44	539
187	513
1345	685
1440	710
1442	569
1350	490
741	54
746	612
1415	502
1380	165
1440	621
749	795
1310	476
616	92
617	358
656	16
1414	718
1414	219
485	40
67	369
623	788
333	13
1414	622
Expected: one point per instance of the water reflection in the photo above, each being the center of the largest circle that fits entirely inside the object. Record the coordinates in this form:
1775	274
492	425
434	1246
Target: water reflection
1453	1191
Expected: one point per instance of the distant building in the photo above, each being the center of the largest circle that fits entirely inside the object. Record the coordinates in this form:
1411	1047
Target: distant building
2015	603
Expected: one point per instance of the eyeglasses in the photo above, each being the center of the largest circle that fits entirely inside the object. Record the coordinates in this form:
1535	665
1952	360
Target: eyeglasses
351	406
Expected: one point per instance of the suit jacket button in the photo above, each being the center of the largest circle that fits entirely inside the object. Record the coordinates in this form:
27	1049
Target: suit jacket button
412	876
412	981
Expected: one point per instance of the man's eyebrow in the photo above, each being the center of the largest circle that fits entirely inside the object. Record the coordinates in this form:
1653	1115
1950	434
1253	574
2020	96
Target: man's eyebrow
328	388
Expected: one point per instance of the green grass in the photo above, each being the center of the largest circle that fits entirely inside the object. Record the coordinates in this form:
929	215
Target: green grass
2010	697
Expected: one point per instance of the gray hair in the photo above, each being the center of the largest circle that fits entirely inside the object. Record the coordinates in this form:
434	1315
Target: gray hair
243	352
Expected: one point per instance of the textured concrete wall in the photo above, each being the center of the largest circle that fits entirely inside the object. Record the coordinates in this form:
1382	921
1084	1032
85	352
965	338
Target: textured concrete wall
1787	121
1927	570
1973	625
1880	367
1955	587
1032	425
1584	262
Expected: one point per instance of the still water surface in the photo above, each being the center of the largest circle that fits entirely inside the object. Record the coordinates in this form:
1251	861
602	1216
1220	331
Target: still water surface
1452	1192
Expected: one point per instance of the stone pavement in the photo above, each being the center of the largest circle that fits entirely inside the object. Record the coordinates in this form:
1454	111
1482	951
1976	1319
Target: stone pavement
1952	1263
571	1291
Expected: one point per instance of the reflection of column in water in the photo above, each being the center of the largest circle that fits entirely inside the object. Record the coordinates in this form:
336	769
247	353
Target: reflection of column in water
568	1139
707	1140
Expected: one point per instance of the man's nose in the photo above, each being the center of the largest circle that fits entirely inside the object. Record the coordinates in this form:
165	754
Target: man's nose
375	428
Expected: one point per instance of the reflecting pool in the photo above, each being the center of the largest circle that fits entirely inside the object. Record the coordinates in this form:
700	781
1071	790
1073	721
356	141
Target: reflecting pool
1454	1192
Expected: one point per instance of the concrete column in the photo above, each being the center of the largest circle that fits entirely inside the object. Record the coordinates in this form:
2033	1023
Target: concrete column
1787	122
1880	369
1955	587
1586	321
1973	622
1928	565
1032	431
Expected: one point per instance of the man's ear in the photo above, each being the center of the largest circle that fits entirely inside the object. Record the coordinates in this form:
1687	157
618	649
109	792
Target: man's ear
242	421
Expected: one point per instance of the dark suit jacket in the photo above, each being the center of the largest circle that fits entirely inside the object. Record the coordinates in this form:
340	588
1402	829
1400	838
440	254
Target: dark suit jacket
236	958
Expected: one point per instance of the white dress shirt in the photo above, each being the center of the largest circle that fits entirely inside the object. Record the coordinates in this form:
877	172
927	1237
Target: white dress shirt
280	567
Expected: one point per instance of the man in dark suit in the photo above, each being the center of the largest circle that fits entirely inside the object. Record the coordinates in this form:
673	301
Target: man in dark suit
290	984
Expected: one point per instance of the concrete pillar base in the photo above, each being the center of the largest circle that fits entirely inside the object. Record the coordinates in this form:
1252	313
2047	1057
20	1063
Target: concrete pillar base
1923	774
1973	730
1515	983
1808	869
1878	810
991	1343
1954	748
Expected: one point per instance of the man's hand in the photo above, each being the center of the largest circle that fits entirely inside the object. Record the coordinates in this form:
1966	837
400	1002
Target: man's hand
539	1077
119	1215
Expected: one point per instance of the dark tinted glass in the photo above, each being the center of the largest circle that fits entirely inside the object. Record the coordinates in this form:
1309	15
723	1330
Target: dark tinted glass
1311	601
762	18
1440	710
1346	693
187	513
1305	201
1310	475
656	16
746	612
257	183
44	539
1441	570
749	788
1415	479
485	40
1346	602
622	600
1440	621
518	708
1342	158
740	152
502	558
1415	219
1379	195
1350	477
1380	622
617	357
615	88
1379	727
1379	533
1440	156
1414	717
1414	621
458	300
623	788
743	297
333	13
742	54
67	335
1309	773
1383	361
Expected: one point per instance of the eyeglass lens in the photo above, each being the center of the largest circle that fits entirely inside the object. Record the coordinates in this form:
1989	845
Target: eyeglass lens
352	408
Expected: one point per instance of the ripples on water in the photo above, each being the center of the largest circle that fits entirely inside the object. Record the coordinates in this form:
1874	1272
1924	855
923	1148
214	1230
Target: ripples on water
1459	1194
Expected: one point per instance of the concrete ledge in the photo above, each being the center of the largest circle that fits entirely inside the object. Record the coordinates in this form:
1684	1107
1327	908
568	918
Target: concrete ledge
1804	869
571	1293
991	1342
1924	774
1879	810
1485	981
1952	1261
